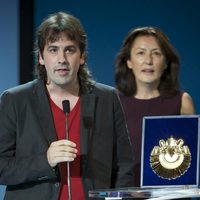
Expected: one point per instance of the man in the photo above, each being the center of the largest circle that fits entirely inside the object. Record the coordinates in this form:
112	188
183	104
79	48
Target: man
35	155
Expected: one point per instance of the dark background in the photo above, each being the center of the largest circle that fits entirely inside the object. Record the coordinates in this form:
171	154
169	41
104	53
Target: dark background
106	22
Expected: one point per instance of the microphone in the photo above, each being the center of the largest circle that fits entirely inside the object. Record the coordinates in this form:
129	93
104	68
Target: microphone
66	106
66	110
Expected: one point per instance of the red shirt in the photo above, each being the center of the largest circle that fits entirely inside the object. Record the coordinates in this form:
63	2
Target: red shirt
74	135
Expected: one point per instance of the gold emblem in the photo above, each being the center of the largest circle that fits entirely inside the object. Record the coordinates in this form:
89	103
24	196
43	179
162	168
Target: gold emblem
170	159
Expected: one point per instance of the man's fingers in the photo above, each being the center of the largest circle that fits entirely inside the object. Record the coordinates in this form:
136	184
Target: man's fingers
63	142
61	151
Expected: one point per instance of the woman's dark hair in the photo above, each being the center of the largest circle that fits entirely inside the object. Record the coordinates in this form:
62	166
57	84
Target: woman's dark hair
51	30
124	77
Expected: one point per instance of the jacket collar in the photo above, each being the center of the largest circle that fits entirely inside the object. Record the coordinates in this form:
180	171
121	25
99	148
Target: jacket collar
88	109
43	111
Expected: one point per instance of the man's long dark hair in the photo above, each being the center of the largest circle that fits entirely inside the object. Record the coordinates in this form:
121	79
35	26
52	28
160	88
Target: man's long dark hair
124	77
51	30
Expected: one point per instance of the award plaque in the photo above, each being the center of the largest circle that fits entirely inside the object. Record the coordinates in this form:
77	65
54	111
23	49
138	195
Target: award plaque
170	151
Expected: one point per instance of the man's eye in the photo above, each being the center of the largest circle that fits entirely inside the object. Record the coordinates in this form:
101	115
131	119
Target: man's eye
53	50
70	50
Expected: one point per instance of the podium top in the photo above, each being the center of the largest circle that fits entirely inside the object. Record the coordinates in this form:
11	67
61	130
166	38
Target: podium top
147	193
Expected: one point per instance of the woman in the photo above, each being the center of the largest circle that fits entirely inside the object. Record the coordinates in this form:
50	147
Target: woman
146	76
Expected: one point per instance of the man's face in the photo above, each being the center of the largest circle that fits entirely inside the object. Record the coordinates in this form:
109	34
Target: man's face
62	60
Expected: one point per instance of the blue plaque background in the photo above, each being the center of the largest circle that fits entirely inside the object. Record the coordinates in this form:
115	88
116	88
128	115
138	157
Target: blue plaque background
163	127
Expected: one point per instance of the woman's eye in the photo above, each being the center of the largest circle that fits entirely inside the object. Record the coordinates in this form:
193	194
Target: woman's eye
140	52
157	53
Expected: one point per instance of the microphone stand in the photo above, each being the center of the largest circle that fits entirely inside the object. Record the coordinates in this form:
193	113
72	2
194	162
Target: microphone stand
66	109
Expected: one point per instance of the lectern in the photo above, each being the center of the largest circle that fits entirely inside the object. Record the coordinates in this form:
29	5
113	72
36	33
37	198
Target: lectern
146	193
169	161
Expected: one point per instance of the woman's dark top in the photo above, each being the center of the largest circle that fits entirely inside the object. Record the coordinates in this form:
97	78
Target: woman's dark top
136	109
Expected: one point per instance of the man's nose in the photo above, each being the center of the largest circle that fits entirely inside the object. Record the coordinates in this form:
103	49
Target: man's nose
62	58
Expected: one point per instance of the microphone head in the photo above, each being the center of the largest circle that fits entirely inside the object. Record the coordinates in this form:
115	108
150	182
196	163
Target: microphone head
66	106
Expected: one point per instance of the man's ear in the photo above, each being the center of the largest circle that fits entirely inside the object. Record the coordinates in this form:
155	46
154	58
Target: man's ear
41	60
82	60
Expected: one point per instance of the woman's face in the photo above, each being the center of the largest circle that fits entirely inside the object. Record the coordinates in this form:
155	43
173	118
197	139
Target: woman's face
147	60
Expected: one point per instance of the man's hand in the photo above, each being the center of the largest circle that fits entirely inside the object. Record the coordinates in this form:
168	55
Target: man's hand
61	151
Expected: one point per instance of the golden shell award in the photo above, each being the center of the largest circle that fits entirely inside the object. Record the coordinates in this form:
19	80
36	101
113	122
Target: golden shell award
171	159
